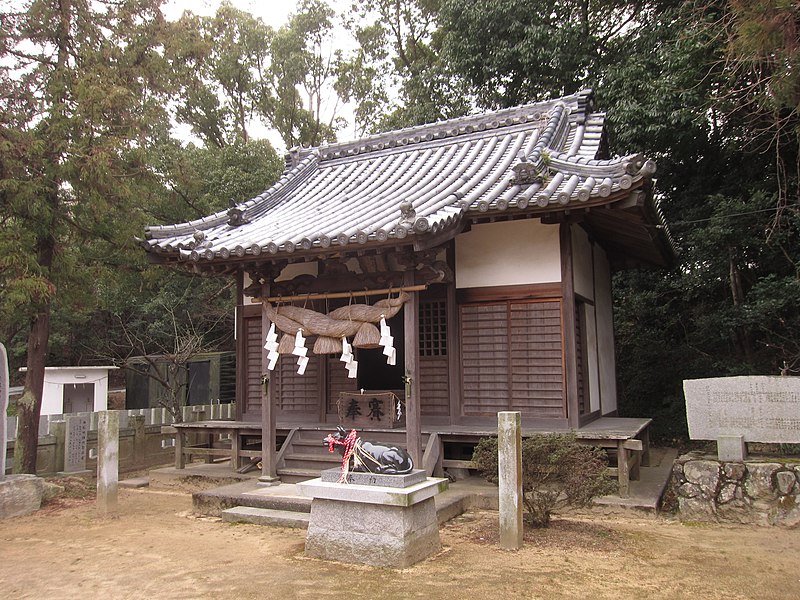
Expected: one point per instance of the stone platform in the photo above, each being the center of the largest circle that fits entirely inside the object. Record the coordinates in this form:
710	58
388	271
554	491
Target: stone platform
378	525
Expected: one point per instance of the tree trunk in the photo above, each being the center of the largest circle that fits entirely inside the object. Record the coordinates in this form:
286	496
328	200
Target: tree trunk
30	404
743	341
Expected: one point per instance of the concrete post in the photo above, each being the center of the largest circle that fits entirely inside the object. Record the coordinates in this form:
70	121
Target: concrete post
509	459
4	385
107	462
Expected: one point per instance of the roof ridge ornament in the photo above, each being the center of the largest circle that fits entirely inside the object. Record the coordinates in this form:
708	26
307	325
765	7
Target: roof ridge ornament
407	213
236	217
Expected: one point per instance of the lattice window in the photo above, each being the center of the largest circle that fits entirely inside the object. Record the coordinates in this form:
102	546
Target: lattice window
433	328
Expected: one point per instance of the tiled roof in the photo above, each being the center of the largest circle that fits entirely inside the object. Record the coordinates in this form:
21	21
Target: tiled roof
418	181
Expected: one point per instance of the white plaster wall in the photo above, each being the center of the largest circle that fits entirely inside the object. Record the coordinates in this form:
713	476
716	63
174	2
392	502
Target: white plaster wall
508	253
605	333
582	263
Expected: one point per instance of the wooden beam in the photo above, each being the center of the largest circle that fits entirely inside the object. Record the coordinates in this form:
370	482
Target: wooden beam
568	324
413	412
354	294
269	466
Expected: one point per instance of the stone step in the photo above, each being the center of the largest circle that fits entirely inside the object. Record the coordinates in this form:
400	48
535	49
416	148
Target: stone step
294	475
266	516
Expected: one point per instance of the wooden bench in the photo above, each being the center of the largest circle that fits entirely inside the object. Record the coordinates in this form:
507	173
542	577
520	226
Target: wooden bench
238	431
627	439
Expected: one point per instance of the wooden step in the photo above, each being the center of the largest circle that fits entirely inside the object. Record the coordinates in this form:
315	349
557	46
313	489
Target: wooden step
266	517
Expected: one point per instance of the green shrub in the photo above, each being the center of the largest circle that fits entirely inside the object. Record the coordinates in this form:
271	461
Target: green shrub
556	470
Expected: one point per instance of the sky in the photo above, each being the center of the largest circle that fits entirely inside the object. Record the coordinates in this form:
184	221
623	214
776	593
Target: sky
273	12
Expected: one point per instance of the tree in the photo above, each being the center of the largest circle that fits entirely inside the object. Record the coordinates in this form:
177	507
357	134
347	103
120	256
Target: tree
232	68
81	95
167	330
400	55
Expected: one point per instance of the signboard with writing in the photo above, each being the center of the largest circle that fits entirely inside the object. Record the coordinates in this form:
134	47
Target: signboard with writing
757	408
382	410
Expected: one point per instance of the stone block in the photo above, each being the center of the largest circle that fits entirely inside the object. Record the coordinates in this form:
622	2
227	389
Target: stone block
688	490
704	473
785	482
759	483
394	481
731	448
733	471
329	538
20	495
729	492
696	509
369	494
372	525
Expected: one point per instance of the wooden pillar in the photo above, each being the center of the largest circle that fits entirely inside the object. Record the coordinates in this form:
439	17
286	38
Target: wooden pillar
568	326
241	345
269	466
413	416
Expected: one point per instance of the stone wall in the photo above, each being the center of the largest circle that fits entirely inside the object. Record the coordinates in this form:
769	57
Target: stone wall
762	491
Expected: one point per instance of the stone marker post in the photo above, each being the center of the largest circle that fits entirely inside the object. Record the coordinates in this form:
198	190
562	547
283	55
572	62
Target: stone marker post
107	462
4	385
509	462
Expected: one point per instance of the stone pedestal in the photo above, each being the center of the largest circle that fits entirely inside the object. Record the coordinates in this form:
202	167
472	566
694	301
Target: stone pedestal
731	448
378	525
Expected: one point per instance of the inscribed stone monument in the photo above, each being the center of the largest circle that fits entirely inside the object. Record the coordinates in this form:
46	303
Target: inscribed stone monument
77	432
760	408
735	410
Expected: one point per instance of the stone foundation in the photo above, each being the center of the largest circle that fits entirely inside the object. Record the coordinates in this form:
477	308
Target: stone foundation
759	491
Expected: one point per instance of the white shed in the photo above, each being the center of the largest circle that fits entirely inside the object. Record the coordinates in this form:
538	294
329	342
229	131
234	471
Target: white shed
75	389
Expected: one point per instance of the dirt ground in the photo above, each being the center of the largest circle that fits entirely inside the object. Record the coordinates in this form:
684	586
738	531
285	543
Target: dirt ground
157	548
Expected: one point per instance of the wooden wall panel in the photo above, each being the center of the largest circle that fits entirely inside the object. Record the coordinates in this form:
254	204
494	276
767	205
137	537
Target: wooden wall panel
434	374
297	393
537	374
484	358
252	361
512	358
